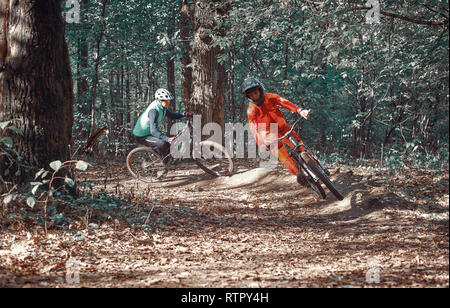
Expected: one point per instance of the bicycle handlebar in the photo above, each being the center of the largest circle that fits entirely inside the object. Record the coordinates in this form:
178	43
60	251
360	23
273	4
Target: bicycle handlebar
300	120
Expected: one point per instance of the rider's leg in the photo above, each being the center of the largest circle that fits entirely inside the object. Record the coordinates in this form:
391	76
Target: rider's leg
287	161
302	148
141	141
160	146
301	176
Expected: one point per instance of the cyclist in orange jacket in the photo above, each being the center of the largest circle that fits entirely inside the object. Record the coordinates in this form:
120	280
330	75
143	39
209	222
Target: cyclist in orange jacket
263	110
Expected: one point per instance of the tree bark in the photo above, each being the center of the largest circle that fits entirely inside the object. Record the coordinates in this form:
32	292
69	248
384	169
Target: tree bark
209	75
98	42
128	134
186	24
36	86
232	83
171	65
83	53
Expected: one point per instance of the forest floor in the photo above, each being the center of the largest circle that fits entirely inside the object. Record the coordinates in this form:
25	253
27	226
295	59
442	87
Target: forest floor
257	228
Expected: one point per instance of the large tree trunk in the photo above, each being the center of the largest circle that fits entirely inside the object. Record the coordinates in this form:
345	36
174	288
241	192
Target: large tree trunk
209	77
35	82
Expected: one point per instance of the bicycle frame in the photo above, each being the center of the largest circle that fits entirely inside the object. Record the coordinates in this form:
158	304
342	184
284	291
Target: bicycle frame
187	127
299	159
298	148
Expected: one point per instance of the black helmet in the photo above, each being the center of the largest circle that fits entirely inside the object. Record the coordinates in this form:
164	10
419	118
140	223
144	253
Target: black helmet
251	83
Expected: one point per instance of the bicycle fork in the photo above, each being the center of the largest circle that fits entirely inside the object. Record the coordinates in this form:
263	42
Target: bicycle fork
314	158
298	148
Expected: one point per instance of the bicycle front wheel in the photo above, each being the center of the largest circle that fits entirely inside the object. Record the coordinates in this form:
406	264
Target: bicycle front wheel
219	164
145	165
317	188
321	175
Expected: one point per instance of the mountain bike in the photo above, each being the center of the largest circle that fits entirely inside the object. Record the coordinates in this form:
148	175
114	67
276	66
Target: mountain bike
146	165
305	160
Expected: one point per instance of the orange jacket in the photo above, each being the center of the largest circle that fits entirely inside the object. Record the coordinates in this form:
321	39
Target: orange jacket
260	117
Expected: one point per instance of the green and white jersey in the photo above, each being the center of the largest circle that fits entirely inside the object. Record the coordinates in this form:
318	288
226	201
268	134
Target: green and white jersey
142	127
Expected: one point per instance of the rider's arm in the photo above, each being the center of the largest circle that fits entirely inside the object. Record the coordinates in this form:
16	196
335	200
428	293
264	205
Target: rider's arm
284	103
260	137
174	115
154	131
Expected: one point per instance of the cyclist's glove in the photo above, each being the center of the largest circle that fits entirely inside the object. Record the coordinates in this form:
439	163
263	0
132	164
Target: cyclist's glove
189	114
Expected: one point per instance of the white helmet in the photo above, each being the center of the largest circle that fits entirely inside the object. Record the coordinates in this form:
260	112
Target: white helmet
163	95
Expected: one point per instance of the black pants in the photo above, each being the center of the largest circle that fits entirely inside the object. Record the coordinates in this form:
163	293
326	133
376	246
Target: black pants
160	146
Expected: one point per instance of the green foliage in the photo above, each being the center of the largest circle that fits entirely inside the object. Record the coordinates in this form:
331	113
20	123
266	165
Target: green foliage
370	86
43	188
10	159
361	81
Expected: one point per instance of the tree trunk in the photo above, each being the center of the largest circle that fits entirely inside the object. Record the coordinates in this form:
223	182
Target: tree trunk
186	24
118	108
98	42
128	132
36	86
232	83
171	65
209	76
83	53
111	118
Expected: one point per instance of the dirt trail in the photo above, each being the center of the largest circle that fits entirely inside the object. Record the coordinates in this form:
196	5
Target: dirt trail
257	228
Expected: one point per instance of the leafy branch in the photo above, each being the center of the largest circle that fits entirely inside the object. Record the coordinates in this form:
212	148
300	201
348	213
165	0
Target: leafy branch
56	166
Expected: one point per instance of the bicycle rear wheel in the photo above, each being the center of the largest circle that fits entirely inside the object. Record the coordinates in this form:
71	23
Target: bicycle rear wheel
145	165
321	175
221	164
